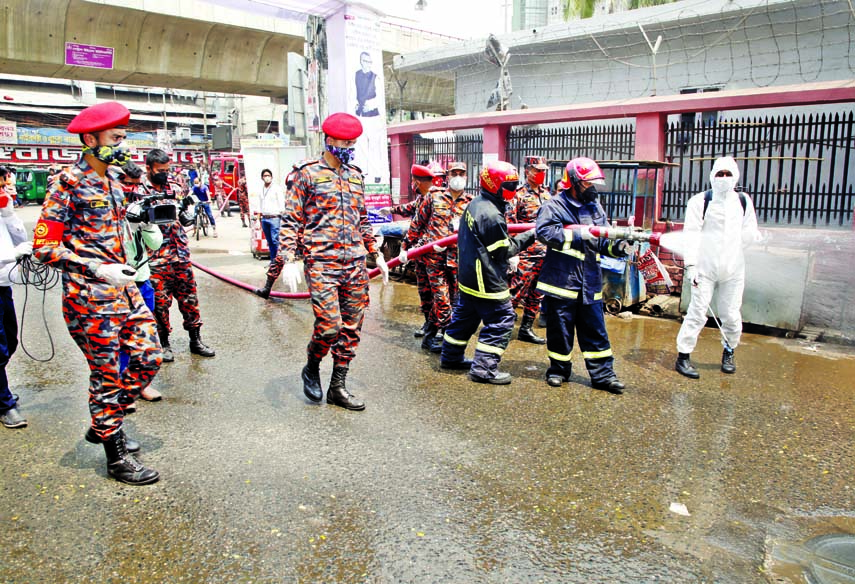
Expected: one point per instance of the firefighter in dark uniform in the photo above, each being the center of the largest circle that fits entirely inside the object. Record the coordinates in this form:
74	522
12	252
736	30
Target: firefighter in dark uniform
171	270
484	248
523	209
326	205
572	280
81	233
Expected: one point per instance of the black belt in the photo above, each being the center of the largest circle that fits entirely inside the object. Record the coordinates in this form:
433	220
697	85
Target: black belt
270	216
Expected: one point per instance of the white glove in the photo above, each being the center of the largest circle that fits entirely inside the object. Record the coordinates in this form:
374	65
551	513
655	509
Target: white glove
691	275
23	249
384	211
384	269
291	276
115	274
402	257
438	249
585	233
513	264
628	247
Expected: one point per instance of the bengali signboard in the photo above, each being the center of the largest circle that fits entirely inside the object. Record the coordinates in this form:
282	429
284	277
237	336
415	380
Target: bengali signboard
93	56
61	156
8	132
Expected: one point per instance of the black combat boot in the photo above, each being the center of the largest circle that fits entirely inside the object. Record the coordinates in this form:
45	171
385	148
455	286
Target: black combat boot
684	366
420	332
312	380
268	286
541	320
122	466
197	347
242	222
131	444
338	395
527	335
612	385
727	363
168	357
430	335
436	345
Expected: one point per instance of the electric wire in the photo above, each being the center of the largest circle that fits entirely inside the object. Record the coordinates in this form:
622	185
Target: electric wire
42	277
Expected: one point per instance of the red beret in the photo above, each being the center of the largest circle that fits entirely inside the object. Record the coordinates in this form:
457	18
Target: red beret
422	171
110	114
342	126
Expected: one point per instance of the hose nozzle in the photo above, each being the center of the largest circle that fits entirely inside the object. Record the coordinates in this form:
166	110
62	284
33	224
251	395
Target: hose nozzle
631	234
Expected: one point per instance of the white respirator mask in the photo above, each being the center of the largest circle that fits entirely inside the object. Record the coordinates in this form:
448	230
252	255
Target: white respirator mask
457	183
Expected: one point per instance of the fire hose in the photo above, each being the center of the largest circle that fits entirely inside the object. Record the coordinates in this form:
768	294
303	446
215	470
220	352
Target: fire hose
631	234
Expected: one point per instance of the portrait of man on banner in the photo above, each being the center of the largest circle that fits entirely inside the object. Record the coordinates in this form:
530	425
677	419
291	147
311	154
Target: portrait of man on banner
366	88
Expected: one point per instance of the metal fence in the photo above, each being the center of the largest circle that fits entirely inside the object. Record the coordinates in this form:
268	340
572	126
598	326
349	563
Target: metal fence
796	168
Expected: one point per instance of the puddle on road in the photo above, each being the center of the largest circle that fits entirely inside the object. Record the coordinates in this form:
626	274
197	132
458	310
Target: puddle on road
825	559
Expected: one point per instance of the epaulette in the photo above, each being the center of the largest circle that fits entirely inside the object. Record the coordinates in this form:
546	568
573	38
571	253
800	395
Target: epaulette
306	163
113	173
354	167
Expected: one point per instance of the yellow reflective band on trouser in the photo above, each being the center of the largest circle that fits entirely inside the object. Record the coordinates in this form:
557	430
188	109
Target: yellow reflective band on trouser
596	354
453	341
598	296
489	349
479	276
557	291
501	243
558	357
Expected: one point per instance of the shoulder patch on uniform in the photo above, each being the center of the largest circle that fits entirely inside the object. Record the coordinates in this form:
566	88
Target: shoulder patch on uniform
305	163
355	180
70	178
354	167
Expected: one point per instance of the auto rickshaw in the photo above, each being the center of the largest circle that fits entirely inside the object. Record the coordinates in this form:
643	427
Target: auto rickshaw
31	184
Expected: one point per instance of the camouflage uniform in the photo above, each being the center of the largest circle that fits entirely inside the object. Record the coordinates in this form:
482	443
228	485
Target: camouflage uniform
524	281
409	209
326	207
243	200
435	220
171	270
81	227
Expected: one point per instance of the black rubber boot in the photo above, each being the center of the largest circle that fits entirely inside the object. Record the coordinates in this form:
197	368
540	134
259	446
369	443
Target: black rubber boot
242	222
612	386
430	335
197	347
684	366
265	291
312	380
541	320
527	335
131	444
123	466
338	395
436	345
727	363
168	357
420	332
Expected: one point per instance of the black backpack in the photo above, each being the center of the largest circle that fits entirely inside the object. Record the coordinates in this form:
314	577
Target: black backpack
708	198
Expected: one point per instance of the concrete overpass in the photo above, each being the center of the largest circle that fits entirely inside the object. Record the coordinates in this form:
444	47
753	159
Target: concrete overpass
189	44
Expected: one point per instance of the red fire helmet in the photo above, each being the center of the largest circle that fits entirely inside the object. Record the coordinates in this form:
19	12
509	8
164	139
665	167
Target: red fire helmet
499	176
582	169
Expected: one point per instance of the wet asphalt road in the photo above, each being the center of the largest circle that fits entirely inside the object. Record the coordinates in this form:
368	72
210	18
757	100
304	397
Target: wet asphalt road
440	479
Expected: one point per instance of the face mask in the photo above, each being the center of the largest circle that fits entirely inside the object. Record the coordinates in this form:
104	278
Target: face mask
345	155
509	190
589	195
268	180
118	155
159	178
723	184
539	177
457	183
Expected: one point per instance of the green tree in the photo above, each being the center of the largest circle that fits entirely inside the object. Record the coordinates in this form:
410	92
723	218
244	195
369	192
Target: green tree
585	8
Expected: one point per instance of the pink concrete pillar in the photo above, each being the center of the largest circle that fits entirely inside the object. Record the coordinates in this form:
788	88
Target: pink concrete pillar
496	142
401	164
650	145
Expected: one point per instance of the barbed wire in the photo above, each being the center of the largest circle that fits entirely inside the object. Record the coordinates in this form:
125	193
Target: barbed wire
758	46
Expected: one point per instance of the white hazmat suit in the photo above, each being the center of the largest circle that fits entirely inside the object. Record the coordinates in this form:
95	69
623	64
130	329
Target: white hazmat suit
714	257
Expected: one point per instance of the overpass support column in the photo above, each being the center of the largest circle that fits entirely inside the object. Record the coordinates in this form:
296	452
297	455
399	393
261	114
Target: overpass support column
650	145
496	142
402	160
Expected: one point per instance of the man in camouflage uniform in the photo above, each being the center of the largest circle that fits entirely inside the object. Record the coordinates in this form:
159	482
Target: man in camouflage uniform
171	270
80	232
435	219
243	201
326	204
523	209
420	184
